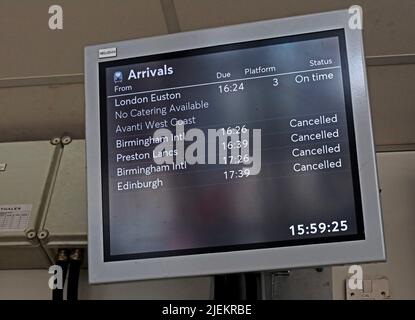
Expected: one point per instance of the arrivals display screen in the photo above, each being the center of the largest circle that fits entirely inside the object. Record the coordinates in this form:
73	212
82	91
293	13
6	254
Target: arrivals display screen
233	147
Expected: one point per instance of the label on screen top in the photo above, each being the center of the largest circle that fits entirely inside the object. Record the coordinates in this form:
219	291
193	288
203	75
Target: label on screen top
107	53
14	217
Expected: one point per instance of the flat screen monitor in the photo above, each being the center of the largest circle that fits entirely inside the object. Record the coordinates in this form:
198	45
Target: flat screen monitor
233	149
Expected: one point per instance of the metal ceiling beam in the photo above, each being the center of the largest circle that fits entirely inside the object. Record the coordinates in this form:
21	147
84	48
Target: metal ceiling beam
60	79
390	60
395	148
51	80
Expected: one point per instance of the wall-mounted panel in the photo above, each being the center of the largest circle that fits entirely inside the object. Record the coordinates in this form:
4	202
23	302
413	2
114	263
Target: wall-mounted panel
24	183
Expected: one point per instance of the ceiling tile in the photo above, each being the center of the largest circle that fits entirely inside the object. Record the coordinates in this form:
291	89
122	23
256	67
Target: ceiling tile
30	48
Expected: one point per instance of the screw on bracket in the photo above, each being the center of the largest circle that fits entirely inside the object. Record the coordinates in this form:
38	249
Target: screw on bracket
66	140
31	234
43	234
55	141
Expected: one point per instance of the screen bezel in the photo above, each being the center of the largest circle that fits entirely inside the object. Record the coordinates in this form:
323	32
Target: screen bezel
324	252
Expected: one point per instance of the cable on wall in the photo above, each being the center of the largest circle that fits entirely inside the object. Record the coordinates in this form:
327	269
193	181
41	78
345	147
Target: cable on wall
76	259
62	260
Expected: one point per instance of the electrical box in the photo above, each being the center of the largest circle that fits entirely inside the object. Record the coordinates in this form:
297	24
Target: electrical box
42	201
65	222
27	173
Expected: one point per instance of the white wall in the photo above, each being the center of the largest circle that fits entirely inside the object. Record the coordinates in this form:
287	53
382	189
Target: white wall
33	284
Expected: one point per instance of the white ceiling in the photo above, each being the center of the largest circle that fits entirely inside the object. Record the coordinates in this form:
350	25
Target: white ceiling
30	49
